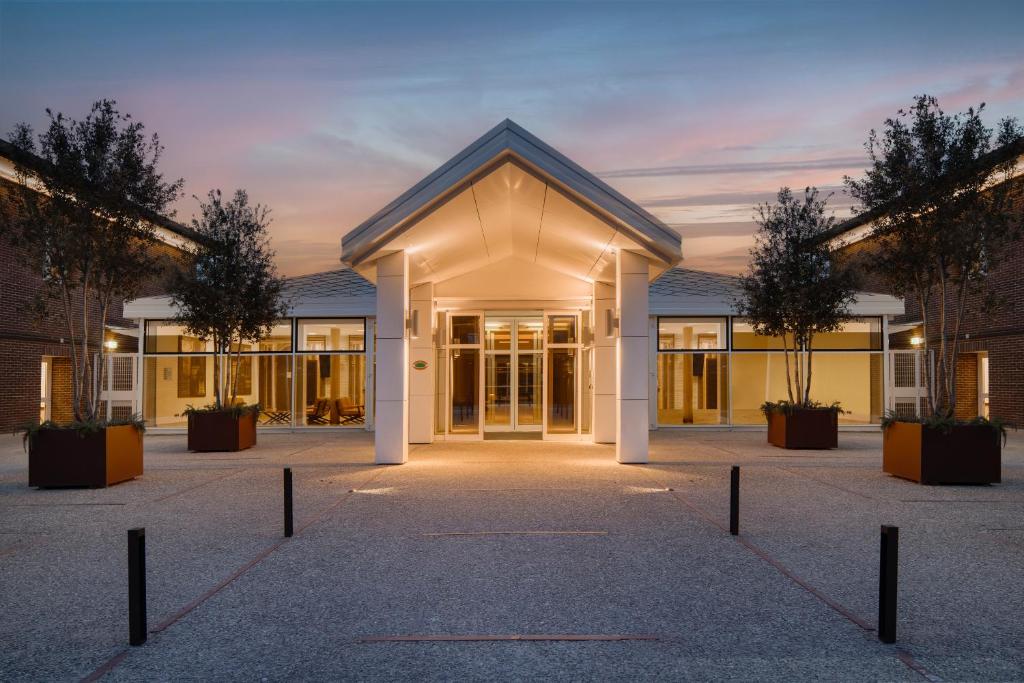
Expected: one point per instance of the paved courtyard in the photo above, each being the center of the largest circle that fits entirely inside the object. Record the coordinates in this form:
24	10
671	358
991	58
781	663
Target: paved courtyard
503	560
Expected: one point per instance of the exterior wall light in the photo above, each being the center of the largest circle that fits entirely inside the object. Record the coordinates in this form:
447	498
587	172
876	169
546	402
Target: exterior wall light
916	341
110	344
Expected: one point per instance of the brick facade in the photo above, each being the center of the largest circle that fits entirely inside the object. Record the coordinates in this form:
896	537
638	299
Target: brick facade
998	332
25	339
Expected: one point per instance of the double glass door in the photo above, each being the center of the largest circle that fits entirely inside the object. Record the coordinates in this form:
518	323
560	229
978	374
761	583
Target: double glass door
513	374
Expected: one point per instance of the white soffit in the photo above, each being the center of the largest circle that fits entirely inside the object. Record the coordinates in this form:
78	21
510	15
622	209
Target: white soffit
510	195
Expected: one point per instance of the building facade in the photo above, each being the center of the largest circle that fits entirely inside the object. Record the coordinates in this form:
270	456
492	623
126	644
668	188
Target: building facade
990	367
512	294
35	355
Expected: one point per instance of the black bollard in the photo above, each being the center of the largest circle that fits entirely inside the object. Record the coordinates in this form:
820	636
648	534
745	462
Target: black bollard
136	586
887	574
734	501
288	501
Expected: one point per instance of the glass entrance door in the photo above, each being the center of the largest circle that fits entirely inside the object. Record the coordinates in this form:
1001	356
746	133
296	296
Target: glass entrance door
513	373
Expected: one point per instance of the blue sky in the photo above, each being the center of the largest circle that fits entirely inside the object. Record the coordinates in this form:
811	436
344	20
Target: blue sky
326	111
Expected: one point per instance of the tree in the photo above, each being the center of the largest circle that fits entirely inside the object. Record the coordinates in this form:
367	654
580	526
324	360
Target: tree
943	216
230	294
82	215
794	289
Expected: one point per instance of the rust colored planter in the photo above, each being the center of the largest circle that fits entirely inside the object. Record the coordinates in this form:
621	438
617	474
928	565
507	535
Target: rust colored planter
65	457
804	428
969	454
221	431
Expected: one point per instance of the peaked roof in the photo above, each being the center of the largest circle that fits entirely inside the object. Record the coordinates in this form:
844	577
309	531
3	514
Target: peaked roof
510	142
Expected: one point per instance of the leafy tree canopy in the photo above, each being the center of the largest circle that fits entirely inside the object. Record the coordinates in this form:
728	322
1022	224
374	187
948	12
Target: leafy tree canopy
231	293
88	190
794	290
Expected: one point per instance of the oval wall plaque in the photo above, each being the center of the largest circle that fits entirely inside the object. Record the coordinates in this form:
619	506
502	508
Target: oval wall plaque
419	365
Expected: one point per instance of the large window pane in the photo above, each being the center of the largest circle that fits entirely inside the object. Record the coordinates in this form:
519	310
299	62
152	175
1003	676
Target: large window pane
172	384
279	339
498	390
530	334
331	389
340	334
853	379
562	329
756	378
692	388
498	335
465	329
561	391
691	333
166	337
743	337
465	415
861	334
530	376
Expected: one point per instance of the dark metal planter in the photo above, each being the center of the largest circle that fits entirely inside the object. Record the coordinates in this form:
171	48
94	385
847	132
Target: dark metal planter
65	457
968	454
804	428
221	431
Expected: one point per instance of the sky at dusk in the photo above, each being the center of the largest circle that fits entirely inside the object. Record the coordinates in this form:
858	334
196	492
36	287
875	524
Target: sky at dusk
327	111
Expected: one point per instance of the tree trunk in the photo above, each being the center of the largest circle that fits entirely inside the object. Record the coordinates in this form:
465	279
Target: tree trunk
810	352
789	376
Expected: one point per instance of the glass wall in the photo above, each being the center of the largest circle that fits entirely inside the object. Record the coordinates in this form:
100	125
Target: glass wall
718	371
465	350
306	372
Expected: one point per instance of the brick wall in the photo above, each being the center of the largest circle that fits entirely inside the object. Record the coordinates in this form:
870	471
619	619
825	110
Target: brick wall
25	338
966	386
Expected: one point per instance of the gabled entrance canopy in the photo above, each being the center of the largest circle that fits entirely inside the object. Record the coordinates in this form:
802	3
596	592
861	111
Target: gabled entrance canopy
510	196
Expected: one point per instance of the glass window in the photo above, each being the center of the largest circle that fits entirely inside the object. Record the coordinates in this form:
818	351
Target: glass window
756	378
693	388
691	333
530	334
859	334
330	389
166	337
465	329
743	337
340	334
562	329
465	415
561	391
853	379
172	384
267	380
279	339
498	335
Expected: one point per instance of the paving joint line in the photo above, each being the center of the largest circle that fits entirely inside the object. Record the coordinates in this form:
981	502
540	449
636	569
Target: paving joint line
825	483
187	489
901	654
115	660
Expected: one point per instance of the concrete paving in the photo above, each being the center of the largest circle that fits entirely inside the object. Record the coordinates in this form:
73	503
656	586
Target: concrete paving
626	571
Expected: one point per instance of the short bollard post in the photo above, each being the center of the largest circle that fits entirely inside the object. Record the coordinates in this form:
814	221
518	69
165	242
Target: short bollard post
287	501
734	501
136	586
887	574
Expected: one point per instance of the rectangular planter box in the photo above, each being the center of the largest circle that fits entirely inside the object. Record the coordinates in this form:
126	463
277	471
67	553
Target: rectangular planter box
221	431
969	454
65	457
818	429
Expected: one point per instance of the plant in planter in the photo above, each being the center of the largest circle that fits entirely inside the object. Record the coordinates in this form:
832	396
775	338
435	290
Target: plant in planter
83	212
229	295
794	291
943	216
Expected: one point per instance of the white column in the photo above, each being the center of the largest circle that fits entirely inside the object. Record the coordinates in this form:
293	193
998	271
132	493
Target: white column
631	358
391	437
604	363
421	364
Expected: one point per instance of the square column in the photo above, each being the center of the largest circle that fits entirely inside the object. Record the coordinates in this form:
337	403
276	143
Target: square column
605	406
391	437
421	364
631	358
